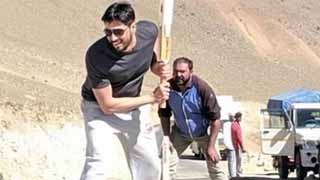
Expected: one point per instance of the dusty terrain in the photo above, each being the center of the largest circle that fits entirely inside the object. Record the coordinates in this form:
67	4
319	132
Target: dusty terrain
250	49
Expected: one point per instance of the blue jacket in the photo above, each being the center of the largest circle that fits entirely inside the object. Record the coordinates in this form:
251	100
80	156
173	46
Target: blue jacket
192	109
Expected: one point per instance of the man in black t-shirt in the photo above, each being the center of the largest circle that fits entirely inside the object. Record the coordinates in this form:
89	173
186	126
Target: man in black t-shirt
112	105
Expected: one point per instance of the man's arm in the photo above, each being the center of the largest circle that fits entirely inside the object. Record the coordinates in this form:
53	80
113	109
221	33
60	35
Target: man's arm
242	148
164	115
214	130
211	110
156	57
240	140
158	67
233	135
237	137
165	123
109	104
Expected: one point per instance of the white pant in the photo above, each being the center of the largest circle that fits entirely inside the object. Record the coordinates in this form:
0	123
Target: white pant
234	162
133	130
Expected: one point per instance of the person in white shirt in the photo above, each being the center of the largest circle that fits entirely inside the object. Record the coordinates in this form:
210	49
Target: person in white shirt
227	140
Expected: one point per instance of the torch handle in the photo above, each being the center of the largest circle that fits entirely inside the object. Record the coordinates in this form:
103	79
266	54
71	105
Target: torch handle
165	52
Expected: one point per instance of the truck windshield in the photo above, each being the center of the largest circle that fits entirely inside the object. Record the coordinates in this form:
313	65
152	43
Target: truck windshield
308	118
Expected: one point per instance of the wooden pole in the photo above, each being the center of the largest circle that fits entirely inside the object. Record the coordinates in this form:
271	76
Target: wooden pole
166	14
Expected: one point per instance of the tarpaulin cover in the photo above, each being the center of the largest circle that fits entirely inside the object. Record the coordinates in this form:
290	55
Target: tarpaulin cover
283	101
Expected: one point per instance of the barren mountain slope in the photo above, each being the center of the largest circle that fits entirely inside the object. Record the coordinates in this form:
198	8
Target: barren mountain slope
250	49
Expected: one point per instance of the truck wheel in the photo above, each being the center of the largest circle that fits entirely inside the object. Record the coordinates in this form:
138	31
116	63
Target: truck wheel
300	170
283	168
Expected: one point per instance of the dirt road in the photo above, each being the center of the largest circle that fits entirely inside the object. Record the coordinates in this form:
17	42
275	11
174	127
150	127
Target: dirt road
191	168
44	153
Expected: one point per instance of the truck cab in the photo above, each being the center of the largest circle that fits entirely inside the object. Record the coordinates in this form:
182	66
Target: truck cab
290	132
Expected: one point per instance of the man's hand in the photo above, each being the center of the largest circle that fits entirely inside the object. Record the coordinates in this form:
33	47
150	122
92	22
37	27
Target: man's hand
166	150
161	93
242	148
166	143
212	154
162	70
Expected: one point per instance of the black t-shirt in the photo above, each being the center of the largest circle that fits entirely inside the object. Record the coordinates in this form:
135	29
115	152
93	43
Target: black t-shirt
124	72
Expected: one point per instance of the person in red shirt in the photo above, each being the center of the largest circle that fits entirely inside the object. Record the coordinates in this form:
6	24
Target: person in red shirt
236	134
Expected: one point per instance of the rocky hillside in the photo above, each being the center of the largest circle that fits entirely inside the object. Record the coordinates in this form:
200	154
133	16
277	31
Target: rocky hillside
247	48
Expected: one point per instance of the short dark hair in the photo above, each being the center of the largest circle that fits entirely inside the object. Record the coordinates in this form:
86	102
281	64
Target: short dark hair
122	12
183	60
238	114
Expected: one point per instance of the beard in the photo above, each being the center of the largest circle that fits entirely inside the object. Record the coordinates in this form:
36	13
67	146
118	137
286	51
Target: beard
181	81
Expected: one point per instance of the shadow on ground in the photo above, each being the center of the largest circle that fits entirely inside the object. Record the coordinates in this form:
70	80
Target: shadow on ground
241	178
191	157
258	178
262	177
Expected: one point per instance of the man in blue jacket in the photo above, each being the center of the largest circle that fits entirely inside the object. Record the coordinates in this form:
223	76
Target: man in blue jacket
195	108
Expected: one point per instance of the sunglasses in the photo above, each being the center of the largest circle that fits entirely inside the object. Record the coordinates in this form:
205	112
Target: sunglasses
116	32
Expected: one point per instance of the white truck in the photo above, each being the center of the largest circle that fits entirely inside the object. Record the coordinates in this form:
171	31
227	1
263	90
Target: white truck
290	132
227	105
